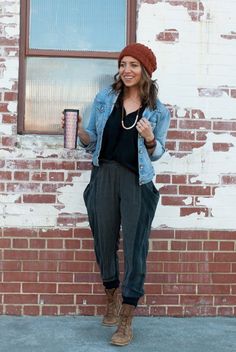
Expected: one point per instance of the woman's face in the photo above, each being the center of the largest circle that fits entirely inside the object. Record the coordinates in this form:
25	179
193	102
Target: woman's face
130	71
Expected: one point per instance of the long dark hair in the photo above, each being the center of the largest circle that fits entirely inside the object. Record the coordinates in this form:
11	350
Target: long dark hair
148	89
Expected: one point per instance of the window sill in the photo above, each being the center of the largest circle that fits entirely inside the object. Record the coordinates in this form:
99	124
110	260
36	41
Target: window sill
46	146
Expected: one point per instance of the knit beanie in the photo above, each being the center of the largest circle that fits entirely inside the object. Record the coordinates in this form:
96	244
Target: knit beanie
141	53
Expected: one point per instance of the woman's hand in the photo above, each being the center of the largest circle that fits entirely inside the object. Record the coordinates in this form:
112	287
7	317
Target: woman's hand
145	129
83	135
63	121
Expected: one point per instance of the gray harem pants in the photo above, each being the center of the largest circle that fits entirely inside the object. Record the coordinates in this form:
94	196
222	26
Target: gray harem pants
115	200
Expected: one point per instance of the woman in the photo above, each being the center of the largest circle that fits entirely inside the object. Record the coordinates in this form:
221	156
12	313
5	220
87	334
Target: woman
126	131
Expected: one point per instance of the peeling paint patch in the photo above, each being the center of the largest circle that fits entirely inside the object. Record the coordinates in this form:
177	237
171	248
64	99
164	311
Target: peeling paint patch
209	92
221	217
188	201
10	73
196	210
206	178
230	36
5	129
222	204
208	59
218	92
72	196
203	160
11	31
9	198
197	114
39	146
169	36
195	9
214	209
12	107
2	69
23	215
83	224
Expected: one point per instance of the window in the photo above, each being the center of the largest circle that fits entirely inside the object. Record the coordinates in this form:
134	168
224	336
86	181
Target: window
69	51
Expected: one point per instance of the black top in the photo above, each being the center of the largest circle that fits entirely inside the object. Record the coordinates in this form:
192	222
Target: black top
118	143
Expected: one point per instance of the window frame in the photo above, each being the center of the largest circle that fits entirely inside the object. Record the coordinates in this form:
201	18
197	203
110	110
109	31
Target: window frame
25	52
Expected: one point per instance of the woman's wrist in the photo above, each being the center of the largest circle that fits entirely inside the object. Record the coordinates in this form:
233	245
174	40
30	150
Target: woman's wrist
149	139
84	136
150	143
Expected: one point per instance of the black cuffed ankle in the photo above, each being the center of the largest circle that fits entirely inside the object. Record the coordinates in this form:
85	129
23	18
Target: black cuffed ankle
132	301
111	284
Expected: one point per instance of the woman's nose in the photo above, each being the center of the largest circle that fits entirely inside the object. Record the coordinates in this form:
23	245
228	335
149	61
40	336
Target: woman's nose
127	68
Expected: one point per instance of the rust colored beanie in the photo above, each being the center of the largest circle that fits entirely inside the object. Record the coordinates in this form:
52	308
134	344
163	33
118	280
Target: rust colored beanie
141	53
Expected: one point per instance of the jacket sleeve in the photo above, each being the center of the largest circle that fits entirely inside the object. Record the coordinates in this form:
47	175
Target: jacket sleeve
91	130
160	132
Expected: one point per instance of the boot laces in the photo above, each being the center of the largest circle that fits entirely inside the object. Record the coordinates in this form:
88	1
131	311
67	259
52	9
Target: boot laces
110	308
123	324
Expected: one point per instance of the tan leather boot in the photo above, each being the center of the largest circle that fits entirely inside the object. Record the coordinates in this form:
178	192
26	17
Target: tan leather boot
124	334
111	317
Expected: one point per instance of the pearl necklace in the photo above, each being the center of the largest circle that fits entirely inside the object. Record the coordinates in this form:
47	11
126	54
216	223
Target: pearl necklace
122	119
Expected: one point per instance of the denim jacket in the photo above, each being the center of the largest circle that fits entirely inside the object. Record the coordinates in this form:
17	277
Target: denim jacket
159	119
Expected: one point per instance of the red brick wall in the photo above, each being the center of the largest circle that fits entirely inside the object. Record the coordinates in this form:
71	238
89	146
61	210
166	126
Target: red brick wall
53	271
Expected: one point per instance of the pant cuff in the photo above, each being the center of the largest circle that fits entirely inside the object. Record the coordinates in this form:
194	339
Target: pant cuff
133	301
111	284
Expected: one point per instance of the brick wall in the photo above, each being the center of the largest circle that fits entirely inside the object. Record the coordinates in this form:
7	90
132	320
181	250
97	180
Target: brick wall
53	271
47	264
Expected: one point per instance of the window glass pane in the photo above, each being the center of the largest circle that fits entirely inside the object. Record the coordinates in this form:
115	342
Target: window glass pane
94	25
54	84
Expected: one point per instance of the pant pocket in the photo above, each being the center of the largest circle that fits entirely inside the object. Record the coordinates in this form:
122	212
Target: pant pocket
152	188
86	194
87	190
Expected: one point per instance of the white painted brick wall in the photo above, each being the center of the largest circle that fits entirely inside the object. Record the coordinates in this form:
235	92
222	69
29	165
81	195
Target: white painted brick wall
195	75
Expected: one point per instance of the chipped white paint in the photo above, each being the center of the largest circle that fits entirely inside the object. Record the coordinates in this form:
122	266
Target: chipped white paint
72	196
12	53
45	146
169	216
32	220
203	161
12	20
222	204
24	215
12	32
10	74
192	63
187	201
12	107
8	198
12	7
200	59
208	166
82	224
32	146
206	178
5	129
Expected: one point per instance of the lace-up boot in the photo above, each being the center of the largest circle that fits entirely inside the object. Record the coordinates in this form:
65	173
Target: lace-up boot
124	334
111	317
